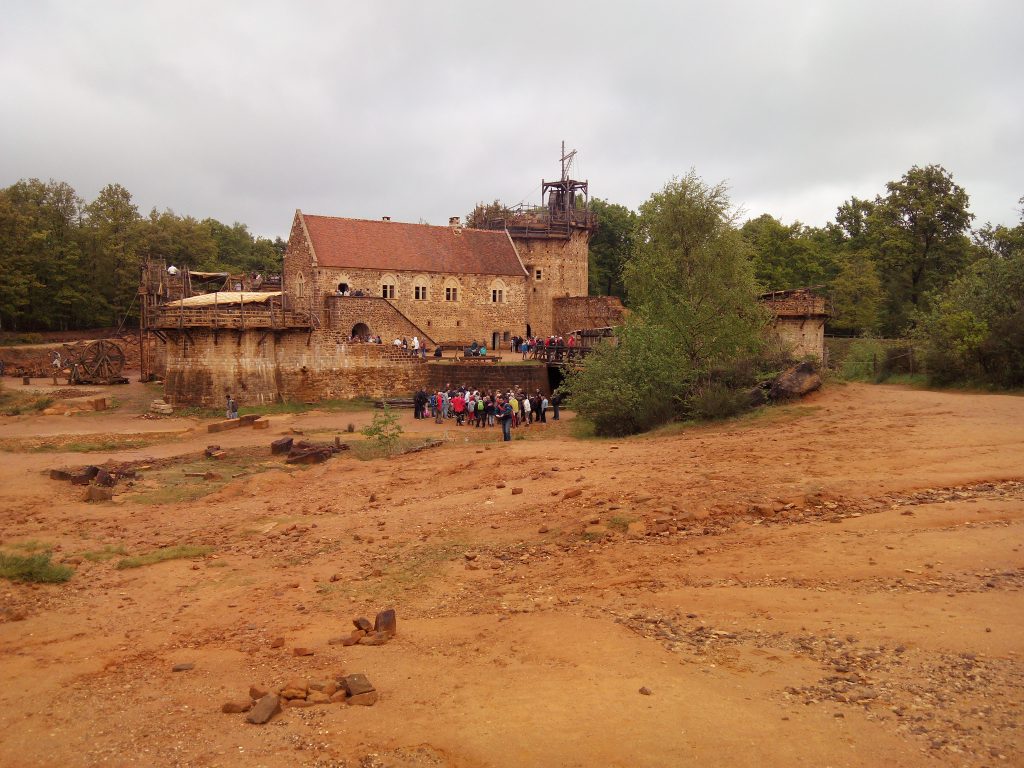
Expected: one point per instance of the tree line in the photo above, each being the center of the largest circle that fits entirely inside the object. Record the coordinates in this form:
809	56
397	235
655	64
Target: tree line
905	264
67	264
880	260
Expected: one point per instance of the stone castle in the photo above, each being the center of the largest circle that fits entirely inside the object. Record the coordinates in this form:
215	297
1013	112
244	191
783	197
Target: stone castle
524	273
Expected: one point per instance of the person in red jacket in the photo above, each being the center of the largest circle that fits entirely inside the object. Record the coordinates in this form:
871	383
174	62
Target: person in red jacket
459	406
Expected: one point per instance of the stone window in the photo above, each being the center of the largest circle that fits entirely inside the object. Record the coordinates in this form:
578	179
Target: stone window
537	275
452	289
499	292
387	290
300	286
419	288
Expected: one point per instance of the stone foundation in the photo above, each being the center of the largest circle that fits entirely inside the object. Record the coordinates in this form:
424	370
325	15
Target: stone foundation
259	367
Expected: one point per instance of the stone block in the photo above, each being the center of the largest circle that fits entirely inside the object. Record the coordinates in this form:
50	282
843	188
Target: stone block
356	684
264	709
282	445
386	622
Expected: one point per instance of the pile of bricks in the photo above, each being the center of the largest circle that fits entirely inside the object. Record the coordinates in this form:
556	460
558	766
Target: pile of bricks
338	688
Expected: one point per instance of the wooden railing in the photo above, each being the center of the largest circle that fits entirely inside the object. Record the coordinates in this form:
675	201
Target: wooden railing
262	315
561	354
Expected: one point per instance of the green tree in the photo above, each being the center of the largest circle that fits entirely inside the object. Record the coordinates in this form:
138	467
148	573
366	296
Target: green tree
856	293
610	247
114	238
787	256
919	232
973	329
852	218
44	285
691	285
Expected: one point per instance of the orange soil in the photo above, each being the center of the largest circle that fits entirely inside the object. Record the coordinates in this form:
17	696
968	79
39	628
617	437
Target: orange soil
833	583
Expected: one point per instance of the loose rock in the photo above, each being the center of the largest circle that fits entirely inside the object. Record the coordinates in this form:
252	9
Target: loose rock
264	709
386	622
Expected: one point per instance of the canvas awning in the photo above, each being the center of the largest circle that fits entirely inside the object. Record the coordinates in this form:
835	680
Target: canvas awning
225	297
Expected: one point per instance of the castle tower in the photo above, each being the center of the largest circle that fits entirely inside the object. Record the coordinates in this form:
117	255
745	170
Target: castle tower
553	241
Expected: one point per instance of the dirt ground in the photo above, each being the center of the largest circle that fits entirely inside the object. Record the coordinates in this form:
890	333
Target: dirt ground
832	583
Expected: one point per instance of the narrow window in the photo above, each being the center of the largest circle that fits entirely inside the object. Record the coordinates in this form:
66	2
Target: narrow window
451	293
387	291
538	275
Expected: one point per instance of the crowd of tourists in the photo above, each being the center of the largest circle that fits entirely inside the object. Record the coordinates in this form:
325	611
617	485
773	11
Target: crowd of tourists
483	409
533	346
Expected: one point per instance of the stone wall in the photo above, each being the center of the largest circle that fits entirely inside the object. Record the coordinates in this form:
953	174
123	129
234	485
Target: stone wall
574	313
379	316
804	337
489	376
563	272
262	367
473	315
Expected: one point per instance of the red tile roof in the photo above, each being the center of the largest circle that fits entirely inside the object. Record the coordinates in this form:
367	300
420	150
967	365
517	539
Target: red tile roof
391	245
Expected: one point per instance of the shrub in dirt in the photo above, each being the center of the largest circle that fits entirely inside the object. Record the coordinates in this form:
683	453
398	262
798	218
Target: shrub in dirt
384	430
35	568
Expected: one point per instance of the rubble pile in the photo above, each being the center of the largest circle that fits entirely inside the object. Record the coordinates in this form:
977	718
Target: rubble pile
262	703
100	481
305	452
383	628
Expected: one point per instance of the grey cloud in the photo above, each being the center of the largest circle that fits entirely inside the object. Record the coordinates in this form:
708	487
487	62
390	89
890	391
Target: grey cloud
246	111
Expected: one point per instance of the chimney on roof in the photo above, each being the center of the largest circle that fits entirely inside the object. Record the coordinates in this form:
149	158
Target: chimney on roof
453	221
385	218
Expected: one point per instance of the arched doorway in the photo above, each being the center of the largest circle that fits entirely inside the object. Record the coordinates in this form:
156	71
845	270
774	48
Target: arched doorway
495	340
342	288
529	333
361	331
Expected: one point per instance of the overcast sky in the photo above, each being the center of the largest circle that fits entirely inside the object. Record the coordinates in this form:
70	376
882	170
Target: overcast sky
245	111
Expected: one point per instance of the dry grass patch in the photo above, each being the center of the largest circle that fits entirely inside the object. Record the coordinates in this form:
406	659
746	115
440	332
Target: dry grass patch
167	553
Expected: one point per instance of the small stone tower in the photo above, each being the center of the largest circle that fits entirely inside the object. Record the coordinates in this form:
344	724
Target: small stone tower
553	241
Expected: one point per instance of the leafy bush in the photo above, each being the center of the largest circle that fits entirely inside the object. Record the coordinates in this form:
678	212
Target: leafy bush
974	329
718	401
